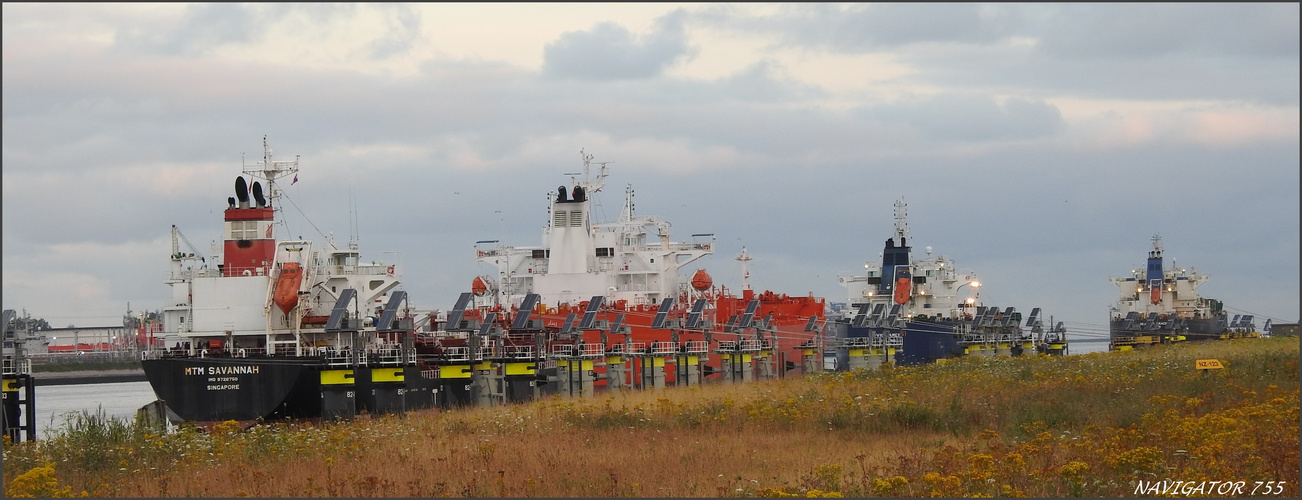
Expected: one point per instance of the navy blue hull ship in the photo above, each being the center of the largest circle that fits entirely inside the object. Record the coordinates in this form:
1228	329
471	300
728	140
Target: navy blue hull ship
1159	306
916	311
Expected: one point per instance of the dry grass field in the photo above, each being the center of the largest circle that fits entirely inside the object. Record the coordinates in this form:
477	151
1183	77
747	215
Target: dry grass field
1094	425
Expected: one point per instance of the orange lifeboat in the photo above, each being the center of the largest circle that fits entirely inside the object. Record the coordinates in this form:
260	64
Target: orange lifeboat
479	286
701	281
291	276
902	284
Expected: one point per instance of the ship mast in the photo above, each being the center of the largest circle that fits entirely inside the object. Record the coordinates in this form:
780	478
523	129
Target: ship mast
590	186
270	171
745	273
901	226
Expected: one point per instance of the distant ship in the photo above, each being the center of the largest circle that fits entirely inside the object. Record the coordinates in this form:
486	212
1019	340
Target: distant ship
915	311
627	271
1159	305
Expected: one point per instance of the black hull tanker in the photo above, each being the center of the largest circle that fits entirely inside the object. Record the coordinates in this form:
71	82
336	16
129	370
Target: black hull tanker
914	311
281	328
1159	306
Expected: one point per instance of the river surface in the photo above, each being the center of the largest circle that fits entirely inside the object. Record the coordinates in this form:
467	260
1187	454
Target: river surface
118	400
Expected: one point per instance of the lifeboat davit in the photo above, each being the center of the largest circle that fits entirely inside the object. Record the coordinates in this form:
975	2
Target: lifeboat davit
291	276
479	286
702	281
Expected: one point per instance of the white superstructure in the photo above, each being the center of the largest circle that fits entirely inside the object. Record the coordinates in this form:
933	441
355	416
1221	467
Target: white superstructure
267	296
631	259
936	287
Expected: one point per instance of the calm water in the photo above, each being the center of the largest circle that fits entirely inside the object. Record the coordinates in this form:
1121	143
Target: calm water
119	400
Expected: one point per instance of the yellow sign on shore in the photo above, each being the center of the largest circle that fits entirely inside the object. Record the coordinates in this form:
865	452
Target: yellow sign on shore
1208	364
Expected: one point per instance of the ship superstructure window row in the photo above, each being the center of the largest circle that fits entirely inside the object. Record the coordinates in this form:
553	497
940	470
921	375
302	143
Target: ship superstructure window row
244	230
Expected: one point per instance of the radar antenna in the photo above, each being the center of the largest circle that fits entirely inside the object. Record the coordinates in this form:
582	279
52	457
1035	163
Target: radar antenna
270	170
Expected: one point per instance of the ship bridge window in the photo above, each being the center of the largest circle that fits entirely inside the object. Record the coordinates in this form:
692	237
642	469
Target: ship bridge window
376	284
541	254
605	252
244	230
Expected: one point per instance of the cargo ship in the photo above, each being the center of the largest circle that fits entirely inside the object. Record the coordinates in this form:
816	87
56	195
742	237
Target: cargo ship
277	328
1158	305
624	279
912	311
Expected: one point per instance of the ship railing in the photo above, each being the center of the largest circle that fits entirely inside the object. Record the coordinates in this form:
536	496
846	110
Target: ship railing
430	373
366	269
17	366
518	351
282	347
663	347
616	349
389	356
636	347
565	350
458	353
727	345
593	350
894	340
750	345
766	344
548	364
696	347
336	358
683	247
861	342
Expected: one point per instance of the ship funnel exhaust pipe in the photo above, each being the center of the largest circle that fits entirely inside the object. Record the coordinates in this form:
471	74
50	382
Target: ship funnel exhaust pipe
242	191
257	194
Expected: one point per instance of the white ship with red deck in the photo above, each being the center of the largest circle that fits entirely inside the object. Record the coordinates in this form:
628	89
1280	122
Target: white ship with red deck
632	267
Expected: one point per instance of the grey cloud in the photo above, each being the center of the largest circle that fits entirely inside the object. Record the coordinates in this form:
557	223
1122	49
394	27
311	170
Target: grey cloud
830	184
961	117
765	81
1129	30
404	30
1123	30
870	27
610	52
202	28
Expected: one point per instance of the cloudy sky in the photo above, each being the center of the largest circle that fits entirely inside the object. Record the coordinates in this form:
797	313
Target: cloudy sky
1042	146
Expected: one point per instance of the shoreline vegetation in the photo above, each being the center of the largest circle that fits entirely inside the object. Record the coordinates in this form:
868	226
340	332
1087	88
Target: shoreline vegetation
1092	425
